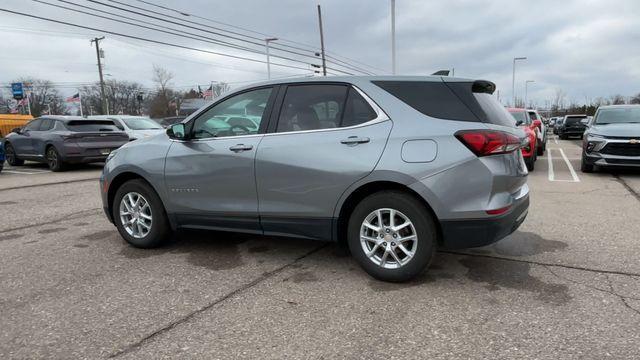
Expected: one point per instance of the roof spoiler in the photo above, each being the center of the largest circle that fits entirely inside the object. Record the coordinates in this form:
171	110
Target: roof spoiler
483	86
441	73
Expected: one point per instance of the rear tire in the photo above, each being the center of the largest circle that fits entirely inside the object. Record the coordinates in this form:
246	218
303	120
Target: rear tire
10	155
54	160
389	261
153	222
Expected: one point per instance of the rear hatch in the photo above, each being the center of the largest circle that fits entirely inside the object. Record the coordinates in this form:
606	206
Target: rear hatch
575	123
101	136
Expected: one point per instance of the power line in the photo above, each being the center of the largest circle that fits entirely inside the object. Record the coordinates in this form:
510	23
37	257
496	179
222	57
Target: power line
148	40
311	47
336	62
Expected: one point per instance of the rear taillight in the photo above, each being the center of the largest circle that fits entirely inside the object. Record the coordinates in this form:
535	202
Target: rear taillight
488	142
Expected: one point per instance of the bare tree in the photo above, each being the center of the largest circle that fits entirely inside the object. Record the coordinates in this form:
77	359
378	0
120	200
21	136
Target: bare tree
163	101
617	99
635	99
43	97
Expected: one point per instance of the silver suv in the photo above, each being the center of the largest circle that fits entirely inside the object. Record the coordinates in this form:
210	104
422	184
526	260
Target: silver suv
392	166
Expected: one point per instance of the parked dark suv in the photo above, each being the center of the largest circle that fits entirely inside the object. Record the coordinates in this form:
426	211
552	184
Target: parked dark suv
393	166
572	125
62	140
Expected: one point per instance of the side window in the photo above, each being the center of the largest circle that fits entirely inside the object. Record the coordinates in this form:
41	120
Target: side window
239	115
532	116
118	124
33	125
357	110
311	107
46	125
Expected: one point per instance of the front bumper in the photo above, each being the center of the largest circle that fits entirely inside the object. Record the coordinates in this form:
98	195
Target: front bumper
605	160
599	155
460	234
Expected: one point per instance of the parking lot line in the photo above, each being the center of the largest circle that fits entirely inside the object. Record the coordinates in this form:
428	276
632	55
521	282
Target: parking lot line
552	176
23	172
571	170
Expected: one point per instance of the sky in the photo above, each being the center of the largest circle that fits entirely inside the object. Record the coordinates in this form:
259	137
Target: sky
585	48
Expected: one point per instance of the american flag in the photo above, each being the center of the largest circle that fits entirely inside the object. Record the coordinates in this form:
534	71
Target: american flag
208	93
74	98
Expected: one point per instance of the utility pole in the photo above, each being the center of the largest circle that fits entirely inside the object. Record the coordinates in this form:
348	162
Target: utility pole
513	79
267	41
393	37
102	95
324	64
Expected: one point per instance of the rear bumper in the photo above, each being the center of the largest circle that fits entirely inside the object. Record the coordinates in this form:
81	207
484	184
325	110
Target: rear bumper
571	132
460	234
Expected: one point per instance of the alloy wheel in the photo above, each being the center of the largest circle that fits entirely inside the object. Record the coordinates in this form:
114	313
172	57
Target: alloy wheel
52	158
388	238
135	215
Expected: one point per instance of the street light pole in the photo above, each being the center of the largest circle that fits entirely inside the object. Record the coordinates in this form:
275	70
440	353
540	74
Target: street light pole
393	37
102	94
267	41
526	84
513	79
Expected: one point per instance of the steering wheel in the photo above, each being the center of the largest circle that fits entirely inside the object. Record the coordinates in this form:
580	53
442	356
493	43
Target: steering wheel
243	129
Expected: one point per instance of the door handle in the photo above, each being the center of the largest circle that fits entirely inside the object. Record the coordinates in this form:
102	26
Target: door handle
241	147
354	140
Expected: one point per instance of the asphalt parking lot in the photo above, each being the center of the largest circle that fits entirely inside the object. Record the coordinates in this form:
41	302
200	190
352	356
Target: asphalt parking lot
565	285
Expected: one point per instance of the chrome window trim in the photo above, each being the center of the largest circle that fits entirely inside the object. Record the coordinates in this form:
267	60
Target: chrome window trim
381	117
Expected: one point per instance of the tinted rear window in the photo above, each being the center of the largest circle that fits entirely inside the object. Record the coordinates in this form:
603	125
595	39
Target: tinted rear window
571	120
452	101
431	98
91	125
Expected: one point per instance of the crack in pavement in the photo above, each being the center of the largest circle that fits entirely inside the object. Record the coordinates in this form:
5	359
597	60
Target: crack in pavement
191	315
47	184
629	188
70	216
574	267
610	291
622	298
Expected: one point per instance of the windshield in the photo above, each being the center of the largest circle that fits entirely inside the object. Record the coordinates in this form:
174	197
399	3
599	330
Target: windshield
520	116
141	123
618	116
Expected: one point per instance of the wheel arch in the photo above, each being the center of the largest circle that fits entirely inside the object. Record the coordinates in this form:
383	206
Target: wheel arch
349	202
122	178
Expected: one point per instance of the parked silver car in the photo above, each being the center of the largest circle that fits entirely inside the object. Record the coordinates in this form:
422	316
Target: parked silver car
392	166
612	138
62	140
137	127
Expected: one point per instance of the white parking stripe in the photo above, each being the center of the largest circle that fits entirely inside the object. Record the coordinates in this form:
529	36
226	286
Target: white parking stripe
555	139
21	172
573	172
550	162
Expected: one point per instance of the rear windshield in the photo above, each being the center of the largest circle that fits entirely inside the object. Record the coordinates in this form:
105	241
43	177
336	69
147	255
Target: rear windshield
571	120
618	115
450	101
91	125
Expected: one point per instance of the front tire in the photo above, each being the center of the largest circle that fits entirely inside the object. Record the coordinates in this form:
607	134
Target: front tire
392	236
54	160
139	215
10	155
586	167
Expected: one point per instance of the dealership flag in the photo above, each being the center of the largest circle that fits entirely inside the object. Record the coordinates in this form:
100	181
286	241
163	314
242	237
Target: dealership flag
208	93
74	98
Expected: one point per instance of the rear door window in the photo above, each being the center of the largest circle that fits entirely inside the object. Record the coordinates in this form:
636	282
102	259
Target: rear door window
357	111
312	107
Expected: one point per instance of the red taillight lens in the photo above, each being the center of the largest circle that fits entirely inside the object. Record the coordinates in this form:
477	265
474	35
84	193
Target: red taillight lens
488	142
499	211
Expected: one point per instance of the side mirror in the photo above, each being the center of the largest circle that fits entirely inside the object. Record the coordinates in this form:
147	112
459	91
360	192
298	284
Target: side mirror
537	123
519	122
177	131
16	130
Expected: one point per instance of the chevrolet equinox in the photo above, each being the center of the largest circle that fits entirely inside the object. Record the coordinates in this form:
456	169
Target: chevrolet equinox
394	167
